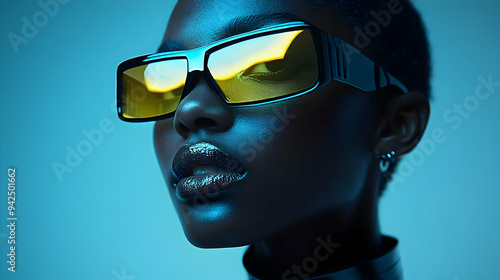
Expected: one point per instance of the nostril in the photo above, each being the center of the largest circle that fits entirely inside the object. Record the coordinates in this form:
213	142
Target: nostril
182	129
204	123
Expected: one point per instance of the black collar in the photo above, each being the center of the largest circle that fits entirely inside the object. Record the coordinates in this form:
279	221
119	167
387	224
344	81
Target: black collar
385	267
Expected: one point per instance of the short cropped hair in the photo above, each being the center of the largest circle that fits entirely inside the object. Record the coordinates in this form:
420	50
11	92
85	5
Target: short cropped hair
391	33
398	44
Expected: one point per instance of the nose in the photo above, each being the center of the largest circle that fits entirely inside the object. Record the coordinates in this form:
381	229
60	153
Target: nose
202	109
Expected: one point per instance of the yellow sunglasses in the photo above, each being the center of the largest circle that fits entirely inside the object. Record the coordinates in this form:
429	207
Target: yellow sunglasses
258	67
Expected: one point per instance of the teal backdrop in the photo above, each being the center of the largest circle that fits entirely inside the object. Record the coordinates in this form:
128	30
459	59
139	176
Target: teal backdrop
90	199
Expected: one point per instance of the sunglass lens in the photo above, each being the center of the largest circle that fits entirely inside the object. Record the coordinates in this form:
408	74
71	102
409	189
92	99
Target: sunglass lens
153	89
266	67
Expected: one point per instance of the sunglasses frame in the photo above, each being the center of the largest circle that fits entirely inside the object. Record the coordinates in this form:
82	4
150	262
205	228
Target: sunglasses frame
337	60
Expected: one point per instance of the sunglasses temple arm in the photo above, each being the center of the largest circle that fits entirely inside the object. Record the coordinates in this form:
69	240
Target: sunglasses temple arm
350	66
396	82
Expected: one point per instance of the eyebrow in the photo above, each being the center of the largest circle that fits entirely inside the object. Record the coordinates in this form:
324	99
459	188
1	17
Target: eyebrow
169	46
245	24
238	26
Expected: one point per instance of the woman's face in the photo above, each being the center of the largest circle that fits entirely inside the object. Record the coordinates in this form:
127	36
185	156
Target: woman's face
237	175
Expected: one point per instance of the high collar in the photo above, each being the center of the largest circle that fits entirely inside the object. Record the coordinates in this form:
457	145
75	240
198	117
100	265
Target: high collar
386	267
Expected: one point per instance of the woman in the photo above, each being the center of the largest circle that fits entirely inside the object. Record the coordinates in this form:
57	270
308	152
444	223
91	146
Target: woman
273	130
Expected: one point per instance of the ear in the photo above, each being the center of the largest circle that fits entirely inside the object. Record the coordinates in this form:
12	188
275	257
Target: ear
402	124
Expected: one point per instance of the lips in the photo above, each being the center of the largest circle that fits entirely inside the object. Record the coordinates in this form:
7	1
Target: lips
202	169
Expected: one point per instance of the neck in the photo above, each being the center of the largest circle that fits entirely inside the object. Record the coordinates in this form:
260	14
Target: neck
336	239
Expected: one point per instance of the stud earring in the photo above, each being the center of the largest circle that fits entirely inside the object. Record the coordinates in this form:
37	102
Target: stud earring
386	160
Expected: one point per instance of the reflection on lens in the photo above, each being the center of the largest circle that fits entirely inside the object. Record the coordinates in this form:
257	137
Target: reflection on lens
153	89
272	66
233	59
165	75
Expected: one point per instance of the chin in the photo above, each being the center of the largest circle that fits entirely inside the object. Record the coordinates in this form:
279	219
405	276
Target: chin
210	225
207	236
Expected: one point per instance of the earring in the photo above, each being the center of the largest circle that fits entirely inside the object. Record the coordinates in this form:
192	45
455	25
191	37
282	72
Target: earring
386	160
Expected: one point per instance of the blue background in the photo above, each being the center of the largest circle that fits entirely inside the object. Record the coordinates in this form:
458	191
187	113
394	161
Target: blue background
111	217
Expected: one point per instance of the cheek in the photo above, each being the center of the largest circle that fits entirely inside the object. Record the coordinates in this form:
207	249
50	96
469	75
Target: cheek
320	154
166	143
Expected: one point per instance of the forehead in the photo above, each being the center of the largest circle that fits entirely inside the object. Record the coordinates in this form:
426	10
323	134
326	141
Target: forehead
196	23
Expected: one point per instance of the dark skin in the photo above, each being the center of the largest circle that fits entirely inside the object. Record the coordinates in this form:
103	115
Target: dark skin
318	176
